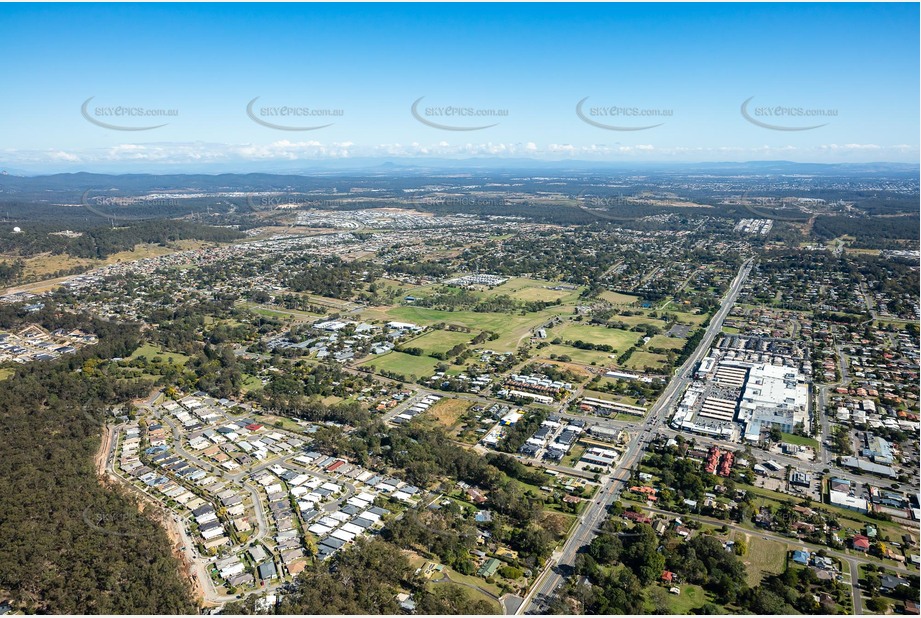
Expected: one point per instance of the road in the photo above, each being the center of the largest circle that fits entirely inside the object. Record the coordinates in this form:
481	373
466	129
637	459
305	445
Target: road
198	565
595	513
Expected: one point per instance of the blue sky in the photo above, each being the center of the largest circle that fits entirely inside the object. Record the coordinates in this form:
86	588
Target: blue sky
692	65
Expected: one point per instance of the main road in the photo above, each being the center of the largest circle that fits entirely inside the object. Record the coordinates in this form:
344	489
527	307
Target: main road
612	485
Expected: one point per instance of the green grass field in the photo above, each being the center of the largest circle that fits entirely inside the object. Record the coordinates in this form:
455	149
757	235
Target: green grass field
439	340
403	364
638	360
573	456
585	357
639	320
617	298
251	383
686	317
448	411
666	343
154	351
619	339
799	440
691	598
762	558
521	288
281	314
510	327
6	373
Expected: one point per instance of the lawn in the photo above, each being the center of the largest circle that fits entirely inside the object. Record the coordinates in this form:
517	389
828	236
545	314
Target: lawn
280	313
686	317
448	411
610	396
573	456
799	440
524	289
5	373
511	327
762	558
270	420
666	343
638	360
618	339
617	298
439	341
585	357
154	351
692	597
251	383
639	320
403	364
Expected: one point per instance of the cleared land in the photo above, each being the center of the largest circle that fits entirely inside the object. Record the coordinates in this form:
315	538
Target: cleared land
618	339
439	341
762	558
154	351
586	357
691	597
666	343
511	328
618	298
799	440
404	364
448	411
638	360
534	290
610	397
281	313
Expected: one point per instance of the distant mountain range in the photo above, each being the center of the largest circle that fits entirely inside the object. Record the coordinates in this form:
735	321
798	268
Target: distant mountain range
412	166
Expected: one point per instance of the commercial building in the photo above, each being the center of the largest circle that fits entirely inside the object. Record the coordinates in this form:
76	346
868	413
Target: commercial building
843	500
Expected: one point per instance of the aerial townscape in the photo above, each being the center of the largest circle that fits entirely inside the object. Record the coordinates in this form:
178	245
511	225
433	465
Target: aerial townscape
418	355
530	409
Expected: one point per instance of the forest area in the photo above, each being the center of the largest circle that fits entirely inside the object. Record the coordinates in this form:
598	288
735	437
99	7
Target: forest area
68	544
